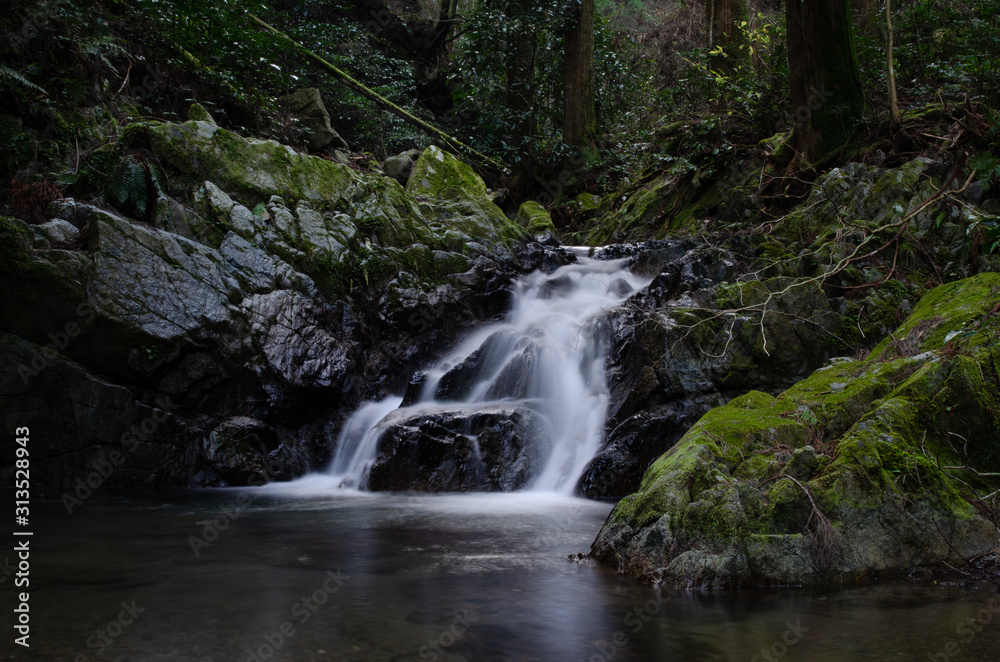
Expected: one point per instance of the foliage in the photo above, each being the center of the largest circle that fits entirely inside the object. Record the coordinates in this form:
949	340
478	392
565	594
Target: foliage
30	200
949	47
987	165
751	94
134	184
512	113
15	82
233	53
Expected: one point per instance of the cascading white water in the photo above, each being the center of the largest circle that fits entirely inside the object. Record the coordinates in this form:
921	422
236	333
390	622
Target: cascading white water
547	355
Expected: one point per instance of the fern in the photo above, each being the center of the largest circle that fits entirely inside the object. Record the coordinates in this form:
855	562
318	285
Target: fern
16	82
988	167
134	183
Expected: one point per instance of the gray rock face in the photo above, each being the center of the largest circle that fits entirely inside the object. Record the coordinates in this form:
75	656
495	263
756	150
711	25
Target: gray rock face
58	231
307	106
262	324
496	449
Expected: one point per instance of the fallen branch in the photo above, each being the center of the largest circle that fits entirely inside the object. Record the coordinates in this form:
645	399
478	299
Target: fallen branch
396	110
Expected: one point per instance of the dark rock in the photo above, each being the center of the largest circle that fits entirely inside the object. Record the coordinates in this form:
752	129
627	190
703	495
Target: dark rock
415	388
804	463
457	383
547	238
494	449
546	258
237	449
633	445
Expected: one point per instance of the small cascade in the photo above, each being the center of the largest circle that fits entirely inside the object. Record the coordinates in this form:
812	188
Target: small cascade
543	366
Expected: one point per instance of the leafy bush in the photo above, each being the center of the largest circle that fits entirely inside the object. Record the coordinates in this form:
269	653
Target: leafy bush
949	46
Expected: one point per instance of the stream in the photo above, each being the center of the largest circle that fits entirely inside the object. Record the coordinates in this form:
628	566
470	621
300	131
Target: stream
474	577
321	569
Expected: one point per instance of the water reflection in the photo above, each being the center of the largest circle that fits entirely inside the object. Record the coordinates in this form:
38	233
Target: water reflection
470	577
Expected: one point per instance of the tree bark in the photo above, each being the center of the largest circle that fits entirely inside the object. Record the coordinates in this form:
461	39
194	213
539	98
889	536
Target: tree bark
891	71
722	19
579	105
520	64
826	94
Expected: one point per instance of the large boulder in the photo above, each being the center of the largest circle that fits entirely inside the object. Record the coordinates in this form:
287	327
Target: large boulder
460	199
866	468
306	105
494	449
271	286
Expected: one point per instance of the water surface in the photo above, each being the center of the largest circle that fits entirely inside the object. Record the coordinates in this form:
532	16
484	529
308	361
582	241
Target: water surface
460	577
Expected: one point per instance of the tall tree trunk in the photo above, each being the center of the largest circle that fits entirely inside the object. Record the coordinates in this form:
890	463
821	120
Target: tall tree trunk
891	71
579	105
722	20
826	89
520	93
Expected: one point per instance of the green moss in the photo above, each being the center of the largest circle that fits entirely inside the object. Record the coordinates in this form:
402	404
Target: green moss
254	170
534	218
887	426
460	199
954	306
15	245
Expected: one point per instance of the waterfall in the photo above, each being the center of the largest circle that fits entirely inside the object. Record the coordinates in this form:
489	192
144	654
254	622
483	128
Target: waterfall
547	357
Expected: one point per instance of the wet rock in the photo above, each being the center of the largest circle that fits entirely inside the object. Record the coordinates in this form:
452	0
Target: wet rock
493	449
634	444
547	258
237	449
729	506
457	383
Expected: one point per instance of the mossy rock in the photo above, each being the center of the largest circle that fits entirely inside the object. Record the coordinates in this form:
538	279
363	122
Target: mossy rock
460	199
720	506
534	218
252	170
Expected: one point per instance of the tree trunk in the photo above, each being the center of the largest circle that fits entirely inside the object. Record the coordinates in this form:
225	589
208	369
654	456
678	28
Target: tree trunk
826	93
722	25
891	71
579	106
519	94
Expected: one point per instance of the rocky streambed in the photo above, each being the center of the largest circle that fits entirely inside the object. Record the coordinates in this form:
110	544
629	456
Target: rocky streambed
225	336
